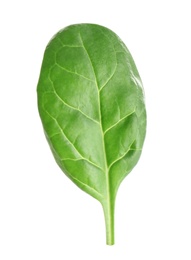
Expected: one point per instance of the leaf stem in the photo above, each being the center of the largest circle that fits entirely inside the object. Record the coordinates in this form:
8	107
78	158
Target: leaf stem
109	208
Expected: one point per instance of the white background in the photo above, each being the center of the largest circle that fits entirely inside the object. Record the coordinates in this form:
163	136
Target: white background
43	215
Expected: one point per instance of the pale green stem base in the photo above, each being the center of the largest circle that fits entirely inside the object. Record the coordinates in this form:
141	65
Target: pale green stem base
109	222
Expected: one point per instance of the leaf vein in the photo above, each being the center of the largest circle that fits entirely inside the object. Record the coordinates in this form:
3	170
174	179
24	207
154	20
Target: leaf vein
72	72
68	105
98	92
62	132
67	45
108	129
121	157
101	125
84	159
89	61
87	186
109	78
115	59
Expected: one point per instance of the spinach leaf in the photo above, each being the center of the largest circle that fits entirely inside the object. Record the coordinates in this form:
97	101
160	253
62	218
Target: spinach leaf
91	104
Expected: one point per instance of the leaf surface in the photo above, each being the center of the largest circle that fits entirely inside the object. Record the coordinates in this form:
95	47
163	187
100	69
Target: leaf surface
91	104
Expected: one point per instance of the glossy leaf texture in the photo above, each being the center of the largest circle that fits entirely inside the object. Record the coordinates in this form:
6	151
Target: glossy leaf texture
91	104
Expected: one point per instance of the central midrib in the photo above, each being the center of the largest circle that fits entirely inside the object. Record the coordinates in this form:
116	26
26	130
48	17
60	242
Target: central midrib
107	201
101	127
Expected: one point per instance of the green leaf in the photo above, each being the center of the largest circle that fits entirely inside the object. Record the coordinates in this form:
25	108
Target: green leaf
91	104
